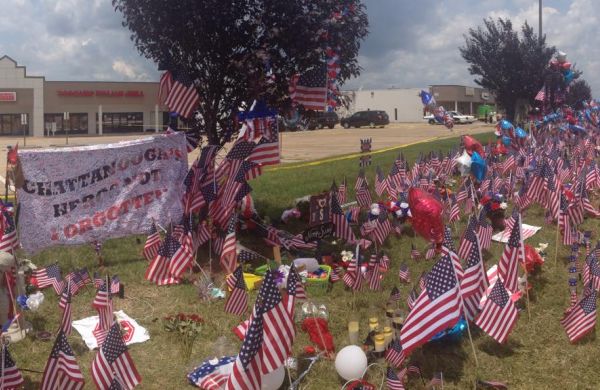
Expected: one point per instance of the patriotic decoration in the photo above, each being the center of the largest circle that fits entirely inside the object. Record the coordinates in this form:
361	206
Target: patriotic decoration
404	273
237	303
474	281
152	243
394	355
310	89
181	94
158	269
393	381
10	376
113	362
437	308
514	253
49	276
212	375
581	319
62	370
65	305
499	314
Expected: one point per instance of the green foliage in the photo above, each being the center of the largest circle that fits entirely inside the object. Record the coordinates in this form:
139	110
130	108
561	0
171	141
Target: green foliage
509	64
224	45
579	91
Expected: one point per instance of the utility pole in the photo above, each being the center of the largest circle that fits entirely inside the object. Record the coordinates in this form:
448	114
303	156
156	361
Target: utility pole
540	20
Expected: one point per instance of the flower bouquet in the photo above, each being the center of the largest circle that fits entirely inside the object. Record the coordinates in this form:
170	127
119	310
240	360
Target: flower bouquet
188	326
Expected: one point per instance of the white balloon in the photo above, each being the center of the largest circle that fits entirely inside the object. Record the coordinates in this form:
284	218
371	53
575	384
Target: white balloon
464	164
351	362
273	380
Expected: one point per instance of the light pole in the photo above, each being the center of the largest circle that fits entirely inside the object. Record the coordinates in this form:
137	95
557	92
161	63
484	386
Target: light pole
540	20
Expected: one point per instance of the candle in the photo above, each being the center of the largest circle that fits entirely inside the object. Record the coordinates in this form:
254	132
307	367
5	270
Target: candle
373	323
379	342
388	335
353	332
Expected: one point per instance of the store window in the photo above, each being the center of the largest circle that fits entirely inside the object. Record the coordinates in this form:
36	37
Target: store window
54	124
121	122
10	124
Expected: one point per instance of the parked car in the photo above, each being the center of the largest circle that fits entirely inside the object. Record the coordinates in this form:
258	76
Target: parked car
369	118
321	119
457	116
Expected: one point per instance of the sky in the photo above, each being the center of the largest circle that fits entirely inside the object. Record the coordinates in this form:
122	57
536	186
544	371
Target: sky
411	43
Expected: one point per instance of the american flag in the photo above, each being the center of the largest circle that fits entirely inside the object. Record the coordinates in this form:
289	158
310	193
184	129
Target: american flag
62	370
591	272
404	273
115	285
10	376
498	314
334	276
98	281
49	276
182	97
164	86
393	381
65	305
395	294
77	280
9	240
564	222
437	308
152	243
246	373
184	256
104	305
295	290
363	197
279	332
514	253
467	238
228	251
437	380
341	191
454	210
113	361
158	269
237	303
380	181
474	282
430	253
484	230
342	227
582	318
449	249
212	375
395	354
375	278
495	385
310	89
361	180
266	151
414	253
411	299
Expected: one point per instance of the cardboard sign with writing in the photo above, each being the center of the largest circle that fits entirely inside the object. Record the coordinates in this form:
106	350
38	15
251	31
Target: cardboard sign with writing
83	194
320	207
318	232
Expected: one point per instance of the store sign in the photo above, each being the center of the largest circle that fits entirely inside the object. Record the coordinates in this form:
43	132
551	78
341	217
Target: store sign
8	96
100	93
113	191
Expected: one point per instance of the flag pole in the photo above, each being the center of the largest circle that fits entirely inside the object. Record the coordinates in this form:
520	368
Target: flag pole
557	237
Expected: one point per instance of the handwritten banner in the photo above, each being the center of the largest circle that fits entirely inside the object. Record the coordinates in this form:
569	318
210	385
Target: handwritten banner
75	195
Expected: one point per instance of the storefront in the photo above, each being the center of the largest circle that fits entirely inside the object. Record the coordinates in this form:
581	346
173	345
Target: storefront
31	105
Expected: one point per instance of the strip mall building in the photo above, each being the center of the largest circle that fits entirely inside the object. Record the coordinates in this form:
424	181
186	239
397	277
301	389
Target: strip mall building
33	106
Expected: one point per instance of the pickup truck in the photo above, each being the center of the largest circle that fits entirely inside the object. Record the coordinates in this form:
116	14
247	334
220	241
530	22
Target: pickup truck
457	116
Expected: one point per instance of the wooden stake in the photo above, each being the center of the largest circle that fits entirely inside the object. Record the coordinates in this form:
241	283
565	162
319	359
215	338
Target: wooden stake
556	243
277	254
527	295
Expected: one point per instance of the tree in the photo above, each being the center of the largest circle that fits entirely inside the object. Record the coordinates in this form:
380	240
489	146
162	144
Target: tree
510	65
237	51
579	91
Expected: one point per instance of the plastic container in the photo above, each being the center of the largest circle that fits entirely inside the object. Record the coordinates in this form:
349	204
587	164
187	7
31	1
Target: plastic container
320	282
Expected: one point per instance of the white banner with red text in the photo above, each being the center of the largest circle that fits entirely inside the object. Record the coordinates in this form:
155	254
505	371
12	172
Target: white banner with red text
76	195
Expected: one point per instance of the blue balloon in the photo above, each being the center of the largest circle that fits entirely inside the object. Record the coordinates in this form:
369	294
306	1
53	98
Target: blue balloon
521	133
569	76
506	125
478	167
426	98
506	140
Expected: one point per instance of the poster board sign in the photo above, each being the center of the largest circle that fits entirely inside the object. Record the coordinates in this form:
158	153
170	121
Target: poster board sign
319	232
70	196
320	208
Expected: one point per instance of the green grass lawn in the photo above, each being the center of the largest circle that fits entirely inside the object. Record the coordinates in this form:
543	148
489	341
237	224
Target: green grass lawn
537	355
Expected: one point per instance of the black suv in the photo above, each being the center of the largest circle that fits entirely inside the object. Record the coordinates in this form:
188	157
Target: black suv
321	119
370	118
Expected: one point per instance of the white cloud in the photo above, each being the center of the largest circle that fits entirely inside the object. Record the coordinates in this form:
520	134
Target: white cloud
129	71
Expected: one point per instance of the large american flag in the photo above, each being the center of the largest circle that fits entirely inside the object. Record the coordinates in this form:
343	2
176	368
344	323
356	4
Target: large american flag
247	369
295	290
310	89
237	303
182	96
498	314
437	308
113	361
582	318
514	253
62	370
10	376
